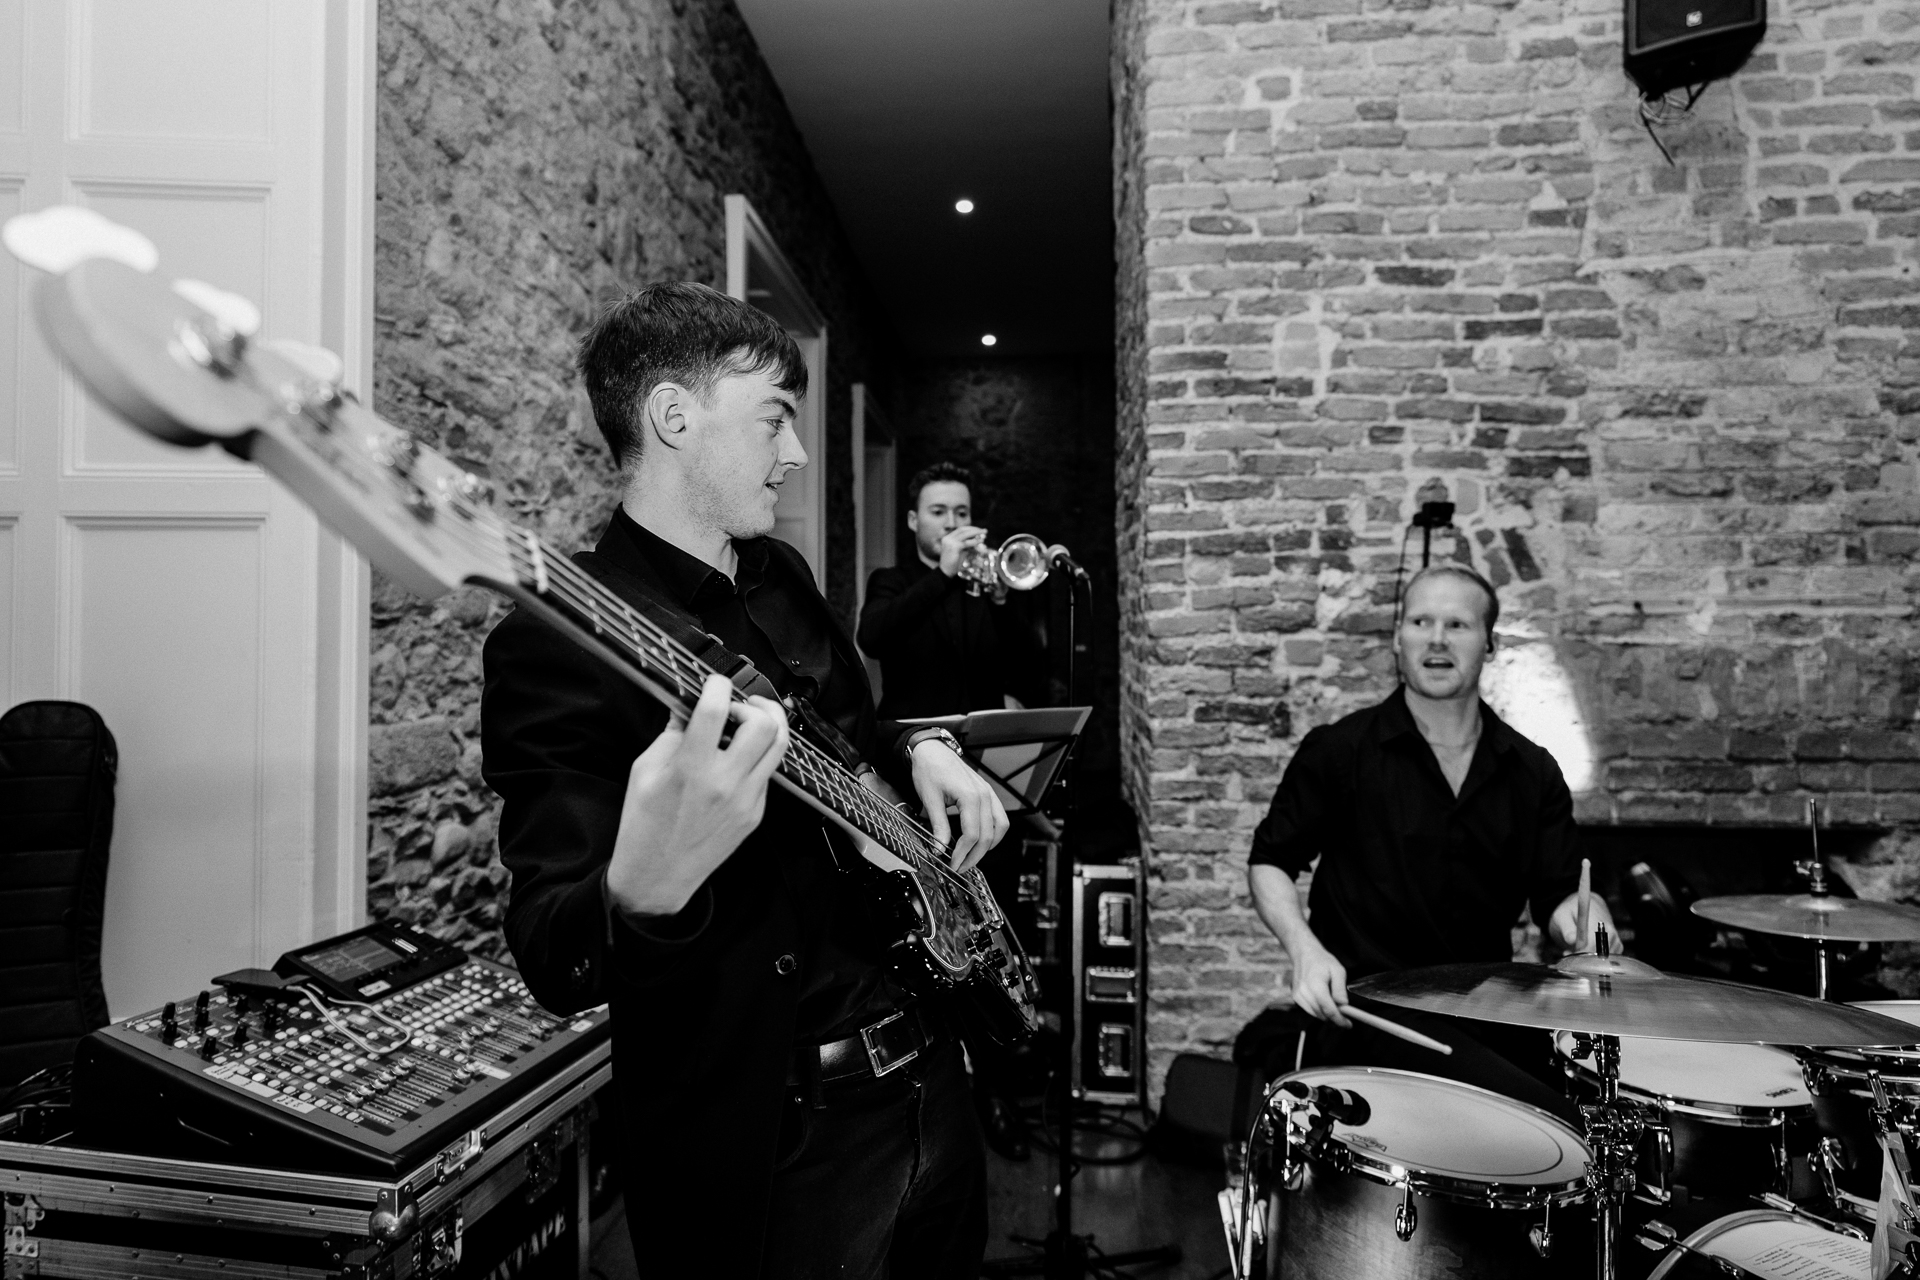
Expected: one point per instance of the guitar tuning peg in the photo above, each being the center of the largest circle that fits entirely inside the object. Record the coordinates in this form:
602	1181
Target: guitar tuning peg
230	310
63	236
317	363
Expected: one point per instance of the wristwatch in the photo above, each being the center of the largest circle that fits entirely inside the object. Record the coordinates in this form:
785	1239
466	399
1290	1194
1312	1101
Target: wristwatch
919	736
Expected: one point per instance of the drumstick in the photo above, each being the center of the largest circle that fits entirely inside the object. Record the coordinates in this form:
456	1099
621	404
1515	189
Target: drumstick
1586	900
1408	1034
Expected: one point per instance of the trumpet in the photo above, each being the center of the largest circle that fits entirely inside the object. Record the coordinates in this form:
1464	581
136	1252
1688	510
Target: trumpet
1021	563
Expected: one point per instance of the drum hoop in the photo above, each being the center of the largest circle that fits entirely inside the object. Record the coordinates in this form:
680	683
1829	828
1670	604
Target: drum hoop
1485	1192
1715	1229
1459	1190
1733	1115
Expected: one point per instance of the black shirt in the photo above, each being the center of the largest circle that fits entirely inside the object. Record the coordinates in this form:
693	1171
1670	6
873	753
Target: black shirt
764	618
1409	874
943	651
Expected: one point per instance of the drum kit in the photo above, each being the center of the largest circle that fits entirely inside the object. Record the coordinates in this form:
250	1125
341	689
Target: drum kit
1805	1113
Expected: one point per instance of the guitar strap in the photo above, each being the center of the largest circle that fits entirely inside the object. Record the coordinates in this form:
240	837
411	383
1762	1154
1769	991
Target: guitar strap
685	629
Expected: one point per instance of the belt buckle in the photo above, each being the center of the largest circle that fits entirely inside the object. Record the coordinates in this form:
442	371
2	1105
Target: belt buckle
876	1056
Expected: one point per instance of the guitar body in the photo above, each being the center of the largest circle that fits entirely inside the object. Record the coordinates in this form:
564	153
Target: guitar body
162	360
959	942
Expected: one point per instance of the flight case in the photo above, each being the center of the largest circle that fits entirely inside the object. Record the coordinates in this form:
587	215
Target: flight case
507	1201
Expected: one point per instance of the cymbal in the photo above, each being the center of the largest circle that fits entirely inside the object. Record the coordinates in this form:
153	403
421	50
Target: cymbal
1616	995
1803	915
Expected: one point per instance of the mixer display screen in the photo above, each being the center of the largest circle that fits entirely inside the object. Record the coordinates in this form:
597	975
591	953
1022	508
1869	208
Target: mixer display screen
355	959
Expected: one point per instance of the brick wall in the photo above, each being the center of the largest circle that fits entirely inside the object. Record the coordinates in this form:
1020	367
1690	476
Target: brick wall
1037	435
531	162
1378	252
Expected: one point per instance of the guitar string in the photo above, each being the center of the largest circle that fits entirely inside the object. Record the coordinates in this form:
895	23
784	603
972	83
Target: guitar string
587	597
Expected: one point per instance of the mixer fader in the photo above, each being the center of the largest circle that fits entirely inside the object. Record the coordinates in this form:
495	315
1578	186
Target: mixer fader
277	1067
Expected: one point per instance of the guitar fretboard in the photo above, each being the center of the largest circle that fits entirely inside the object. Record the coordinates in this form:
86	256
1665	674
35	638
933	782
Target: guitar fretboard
562	585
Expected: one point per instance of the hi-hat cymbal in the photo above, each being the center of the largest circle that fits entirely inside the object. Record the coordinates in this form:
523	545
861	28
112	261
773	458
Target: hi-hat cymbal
1822	918
1615	995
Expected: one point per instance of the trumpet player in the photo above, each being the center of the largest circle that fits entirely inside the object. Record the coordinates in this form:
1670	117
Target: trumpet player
942	649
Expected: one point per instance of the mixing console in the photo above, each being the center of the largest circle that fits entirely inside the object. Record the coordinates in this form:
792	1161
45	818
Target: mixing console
266	1071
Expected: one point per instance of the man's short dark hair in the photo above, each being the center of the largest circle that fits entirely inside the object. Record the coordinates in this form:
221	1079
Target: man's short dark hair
1465	573
683	333
938	473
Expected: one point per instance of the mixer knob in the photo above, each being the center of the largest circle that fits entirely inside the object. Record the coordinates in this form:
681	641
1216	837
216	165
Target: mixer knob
169	1029
209	1045
239	1036
200	1011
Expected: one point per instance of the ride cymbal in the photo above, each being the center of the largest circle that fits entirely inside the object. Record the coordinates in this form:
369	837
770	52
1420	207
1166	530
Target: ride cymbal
1818	917
1616	995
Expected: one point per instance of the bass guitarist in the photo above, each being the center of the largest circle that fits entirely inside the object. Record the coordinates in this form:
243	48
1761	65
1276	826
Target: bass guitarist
788	1107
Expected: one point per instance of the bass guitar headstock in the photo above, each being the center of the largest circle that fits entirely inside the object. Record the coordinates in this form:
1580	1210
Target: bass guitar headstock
182	362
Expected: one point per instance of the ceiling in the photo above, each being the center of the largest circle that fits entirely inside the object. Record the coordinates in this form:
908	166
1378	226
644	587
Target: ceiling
910	105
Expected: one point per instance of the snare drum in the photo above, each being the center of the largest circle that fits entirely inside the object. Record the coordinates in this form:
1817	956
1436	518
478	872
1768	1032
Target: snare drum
1768	1245
1842	1096
1444	1179
1722	1112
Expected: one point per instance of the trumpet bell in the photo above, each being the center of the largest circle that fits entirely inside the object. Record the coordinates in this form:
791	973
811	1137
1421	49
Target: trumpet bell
1021	563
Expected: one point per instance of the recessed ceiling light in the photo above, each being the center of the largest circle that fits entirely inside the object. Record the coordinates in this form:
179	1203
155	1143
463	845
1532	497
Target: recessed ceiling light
963	206
987	339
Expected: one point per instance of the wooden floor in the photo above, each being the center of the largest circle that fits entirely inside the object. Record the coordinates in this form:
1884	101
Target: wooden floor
1125	1207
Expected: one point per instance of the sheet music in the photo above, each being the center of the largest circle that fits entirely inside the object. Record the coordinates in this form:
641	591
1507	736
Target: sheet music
1793	1251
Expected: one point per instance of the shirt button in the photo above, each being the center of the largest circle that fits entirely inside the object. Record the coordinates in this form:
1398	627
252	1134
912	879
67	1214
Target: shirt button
785	965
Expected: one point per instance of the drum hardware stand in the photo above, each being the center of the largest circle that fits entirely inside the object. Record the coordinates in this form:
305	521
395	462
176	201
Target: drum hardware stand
1613	1131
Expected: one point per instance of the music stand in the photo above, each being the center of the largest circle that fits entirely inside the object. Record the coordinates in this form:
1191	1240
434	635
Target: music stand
1021	754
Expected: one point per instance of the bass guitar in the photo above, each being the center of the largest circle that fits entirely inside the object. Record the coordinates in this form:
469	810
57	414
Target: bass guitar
181	362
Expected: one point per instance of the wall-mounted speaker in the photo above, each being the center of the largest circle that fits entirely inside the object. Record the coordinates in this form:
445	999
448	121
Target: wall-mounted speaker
1671	44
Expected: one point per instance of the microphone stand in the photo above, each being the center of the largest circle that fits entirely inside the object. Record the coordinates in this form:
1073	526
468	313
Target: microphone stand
1064	1255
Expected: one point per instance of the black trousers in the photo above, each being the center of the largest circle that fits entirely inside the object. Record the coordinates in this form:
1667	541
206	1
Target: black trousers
882	1179
1514	1061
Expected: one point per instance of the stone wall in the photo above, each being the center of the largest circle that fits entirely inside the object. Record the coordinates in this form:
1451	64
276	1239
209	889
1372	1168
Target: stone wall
534	160
1037	435
1374	252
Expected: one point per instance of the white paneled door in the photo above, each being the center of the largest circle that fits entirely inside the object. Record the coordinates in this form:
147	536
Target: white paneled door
206	615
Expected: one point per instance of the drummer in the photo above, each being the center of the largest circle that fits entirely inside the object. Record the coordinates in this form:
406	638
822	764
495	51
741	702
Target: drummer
1433	820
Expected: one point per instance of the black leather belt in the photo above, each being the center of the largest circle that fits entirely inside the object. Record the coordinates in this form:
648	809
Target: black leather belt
881	1047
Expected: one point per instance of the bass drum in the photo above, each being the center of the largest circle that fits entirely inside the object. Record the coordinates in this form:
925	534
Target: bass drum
1443	1180
1769	1245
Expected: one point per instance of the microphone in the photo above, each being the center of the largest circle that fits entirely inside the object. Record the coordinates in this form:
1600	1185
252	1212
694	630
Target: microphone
1057	554
1343	1106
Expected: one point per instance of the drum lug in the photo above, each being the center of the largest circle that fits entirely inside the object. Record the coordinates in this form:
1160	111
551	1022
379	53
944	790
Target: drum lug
1541	1237
1406	1219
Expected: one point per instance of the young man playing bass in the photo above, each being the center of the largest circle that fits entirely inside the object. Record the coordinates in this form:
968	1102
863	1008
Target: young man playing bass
789	1108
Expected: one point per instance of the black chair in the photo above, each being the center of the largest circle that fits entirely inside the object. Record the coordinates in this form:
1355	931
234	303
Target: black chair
57	767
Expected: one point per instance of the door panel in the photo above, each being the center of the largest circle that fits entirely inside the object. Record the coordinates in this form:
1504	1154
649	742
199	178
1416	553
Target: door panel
180	592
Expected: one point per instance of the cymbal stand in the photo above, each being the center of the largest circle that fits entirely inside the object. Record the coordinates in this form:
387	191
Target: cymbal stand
1815	870
1613	1132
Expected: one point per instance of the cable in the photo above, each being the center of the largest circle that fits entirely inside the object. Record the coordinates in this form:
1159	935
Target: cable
339	1024
1667	109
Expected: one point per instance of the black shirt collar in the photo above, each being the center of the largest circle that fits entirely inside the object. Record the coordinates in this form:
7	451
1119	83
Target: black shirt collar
1396	721
690	579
